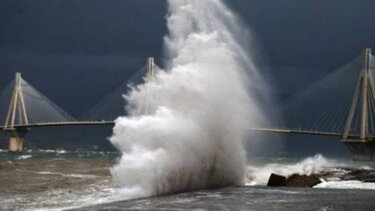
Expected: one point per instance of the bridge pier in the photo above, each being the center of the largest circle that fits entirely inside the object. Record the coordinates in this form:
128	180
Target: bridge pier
363	145
16	138
361	150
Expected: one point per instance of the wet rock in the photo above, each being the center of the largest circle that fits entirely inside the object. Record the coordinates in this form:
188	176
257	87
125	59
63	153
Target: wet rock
276	180
363	175
297	180
294	180
334	174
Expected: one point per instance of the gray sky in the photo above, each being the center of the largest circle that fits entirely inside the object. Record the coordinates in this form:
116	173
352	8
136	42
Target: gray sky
76	51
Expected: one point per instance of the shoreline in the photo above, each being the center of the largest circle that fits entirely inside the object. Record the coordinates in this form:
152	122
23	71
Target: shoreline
251	198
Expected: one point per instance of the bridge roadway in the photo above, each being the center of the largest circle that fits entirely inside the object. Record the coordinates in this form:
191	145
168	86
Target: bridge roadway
57	124
104	122
307	132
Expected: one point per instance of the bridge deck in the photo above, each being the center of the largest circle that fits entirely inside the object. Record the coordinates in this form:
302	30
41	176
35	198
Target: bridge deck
103	122
276	130
306	132
56	124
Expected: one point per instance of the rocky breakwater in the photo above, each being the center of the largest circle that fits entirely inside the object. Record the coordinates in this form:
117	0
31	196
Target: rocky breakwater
329	174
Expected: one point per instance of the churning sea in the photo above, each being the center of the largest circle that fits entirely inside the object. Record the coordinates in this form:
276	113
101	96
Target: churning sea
82	180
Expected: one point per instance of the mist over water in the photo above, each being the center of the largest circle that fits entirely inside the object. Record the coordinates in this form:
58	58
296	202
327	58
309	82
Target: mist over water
187	127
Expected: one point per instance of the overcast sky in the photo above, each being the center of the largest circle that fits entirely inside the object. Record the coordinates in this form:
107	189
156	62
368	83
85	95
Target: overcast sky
76	51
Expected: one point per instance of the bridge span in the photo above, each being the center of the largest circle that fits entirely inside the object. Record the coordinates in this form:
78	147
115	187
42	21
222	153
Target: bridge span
23	107
58	124
340	105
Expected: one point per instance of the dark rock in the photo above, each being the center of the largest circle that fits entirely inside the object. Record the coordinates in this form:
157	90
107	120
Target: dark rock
343	174
276	180
297	180
363	175
372	180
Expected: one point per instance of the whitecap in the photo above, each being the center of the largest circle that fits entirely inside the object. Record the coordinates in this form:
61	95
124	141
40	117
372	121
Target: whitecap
349	184
23	157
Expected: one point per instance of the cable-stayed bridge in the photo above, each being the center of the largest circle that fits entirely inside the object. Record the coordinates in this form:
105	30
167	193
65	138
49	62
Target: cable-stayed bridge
342	105
112	106
23	107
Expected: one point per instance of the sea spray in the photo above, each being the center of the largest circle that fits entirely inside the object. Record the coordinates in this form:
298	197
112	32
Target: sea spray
199	109
259	175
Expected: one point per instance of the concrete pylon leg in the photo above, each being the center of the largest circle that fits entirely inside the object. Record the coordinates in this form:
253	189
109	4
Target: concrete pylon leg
15	144
362	145
16	141
362	151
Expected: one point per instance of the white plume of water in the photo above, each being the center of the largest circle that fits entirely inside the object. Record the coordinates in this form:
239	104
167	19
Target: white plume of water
190	134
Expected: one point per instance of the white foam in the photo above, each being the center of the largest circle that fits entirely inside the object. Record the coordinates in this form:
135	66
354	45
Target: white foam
23	157
350	184
259	175
59	199
67	175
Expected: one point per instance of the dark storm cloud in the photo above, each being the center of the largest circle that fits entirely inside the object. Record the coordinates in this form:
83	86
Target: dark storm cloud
320	33
76	51
73	80
86	26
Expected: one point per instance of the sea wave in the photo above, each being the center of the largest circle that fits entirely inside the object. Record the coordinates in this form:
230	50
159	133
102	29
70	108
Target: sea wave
259	175
350	184
67	175
23	157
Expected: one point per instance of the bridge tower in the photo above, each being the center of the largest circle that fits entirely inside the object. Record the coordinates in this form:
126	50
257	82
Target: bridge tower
150	69
362	146
17	115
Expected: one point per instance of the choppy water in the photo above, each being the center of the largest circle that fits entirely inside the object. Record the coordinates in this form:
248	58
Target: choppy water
55	181
253	198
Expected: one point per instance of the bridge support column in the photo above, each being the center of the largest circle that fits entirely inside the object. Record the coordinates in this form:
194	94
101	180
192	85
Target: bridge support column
16	138
362	146
362	151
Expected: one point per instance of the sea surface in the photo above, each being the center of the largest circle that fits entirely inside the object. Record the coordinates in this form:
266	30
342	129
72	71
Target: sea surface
82	180
54	181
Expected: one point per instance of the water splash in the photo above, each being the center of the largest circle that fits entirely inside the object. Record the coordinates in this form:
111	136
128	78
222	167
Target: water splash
259	175
198	111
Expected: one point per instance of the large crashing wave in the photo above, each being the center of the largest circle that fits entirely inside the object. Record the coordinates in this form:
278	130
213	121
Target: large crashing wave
187	126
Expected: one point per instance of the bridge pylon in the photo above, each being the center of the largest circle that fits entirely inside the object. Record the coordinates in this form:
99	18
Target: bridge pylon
363	102
150	69
17	114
